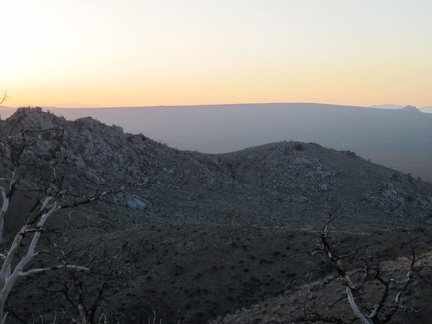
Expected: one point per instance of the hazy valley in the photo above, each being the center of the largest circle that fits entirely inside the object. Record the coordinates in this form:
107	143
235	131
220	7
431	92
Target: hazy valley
397	138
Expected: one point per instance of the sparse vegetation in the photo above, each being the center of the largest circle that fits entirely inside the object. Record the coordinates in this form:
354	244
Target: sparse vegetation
18	258
223	238
372	295
298	147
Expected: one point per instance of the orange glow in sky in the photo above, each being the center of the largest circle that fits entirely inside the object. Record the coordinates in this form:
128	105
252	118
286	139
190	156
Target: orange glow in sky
170	52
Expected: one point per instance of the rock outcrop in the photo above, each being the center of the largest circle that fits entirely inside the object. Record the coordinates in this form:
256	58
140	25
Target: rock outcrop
196	236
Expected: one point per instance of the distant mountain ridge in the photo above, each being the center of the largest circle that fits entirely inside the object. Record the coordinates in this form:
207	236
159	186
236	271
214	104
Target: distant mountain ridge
426	109
386	136
98	154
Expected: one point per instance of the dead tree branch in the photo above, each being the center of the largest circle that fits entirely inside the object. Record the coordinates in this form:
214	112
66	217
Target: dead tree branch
17	259
376	313
4	98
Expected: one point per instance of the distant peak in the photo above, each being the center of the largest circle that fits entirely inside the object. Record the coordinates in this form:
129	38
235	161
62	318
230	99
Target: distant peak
411	108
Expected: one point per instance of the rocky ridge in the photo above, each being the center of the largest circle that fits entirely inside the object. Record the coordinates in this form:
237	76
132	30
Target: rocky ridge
204	221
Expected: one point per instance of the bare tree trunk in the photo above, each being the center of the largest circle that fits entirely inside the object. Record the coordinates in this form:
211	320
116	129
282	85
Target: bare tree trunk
14	264
355	308
374	311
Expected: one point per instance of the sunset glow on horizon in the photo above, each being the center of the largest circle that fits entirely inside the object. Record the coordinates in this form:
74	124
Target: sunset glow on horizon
147	53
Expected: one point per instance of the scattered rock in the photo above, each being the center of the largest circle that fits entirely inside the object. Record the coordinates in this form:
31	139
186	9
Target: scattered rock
324	187
136	202
301	160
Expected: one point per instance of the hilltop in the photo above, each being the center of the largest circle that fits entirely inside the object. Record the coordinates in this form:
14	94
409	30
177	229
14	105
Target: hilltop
196	236
396	138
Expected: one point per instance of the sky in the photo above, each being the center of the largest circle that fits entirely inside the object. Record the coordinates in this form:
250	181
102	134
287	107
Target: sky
115	53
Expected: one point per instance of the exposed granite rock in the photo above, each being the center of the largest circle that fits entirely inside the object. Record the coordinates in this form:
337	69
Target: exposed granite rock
256	181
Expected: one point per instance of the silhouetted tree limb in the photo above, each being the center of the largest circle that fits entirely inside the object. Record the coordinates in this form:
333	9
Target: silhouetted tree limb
16	260
4	98
355	294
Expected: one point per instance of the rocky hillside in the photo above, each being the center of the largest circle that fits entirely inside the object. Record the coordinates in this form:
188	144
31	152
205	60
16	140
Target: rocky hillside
194	237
